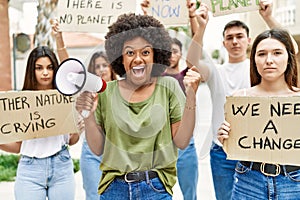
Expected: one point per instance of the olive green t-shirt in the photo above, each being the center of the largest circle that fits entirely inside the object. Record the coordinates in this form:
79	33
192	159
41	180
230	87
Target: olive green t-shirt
138	135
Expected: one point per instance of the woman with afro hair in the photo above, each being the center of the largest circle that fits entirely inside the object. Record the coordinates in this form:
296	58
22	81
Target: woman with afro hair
139	121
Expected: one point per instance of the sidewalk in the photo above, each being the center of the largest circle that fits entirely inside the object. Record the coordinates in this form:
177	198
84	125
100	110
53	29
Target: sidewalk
205	187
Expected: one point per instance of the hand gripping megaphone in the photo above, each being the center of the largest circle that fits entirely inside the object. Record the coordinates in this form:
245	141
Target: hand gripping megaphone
72	77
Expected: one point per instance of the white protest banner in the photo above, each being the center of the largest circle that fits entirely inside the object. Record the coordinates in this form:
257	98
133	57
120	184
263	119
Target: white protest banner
169	12
225	7
35	114
91	15
263	129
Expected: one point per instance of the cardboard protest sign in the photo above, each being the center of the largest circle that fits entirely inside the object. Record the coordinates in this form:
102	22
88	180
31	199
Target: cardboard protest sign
263	129
35	114
92	15
224	7
169	12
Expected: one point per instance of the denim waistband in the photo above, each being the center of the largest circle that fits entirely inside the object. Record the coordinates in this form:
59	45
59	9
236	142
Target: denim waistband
64	147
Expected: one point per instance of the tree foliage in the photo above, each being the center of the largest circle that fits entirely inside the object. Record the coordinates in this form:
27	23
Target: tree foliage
43	30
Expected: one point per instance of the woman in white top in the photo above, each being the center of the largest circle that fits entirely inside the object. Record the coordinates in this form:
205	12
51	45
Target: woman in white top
45	168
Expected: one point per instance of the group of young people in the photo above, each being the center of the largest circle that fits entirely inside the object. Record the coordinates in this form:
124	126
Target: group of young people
136	126
270	71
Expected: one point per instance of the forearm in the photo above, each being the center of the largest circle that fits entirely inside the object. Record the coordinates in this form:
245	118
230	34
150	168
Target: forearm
193	24
192	16
11	147
61	48
187	124
94	135
74	138
195	49
271	22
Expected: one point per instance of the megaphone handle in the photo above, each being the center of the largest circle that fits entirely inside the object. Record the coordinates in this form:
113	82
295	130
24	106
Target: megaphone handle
85	113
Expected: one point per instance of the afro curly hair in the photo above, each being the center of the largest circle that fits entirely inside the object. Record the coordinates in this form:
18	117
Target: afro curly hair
130	26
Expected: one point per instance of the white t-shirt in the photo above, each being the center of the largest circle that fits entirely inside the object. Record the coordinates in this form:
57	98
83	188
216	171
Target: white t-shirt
44	147
223	81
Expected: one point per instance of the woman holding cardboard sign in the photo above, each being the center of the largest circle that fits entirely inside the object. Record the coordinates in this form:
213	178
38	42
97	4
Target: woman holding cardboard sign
273	71
45	168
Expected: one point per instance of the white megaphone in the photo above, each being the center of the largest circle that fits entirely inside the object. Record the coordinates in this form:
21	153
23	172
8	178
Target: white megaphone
72	77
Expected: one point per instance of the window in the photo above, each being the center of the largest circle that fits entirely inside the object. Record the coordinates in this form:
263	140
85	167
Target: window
286	12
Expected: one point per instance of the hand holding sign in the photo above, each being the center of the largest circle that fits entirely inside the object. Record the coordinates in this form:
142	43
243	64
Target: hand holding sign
223	132
192	6
266	7
55	26
145	4
202	15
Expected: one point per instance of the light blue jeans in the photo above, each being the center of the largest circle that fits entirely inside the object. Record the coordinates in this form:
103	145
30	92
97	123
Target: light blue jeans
89	166
52	177
222	172
187	171
253	185
152	189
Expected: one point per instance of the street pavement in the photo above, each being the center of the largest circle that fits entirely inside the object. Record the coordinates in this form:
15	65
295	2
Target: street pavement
205	189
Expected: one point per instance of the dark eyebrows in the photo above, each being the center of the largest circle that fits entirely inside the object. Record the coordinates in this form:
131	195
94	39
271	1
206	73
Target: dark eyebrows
36	64
146	46
232	35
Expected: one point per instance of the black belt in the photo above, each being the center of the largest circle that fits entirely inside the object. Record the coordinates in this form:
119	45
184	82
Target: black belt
138	176
270	169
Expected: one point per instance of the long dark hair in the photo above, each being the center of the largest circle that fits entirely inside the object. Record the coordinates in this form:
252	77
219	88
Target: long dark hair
91	67
30	81
284	37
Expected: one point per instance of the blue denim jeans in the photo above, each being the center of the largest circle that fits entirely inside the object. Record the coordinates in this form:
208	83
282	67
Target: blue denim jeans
187	171
253	185
89	166
52	177
222	172
152	189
